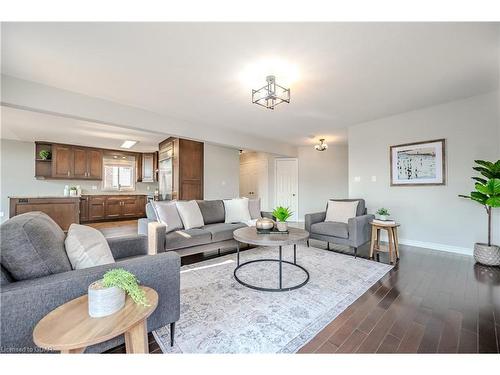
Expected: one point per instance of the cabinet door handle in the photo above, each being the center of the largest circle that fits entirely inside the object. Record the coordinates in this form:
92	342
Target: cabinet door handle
68	173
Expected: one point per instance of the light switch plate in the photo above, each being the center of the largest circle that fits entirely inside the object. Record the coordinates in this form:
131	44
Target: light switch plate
357	179
94	187
374	178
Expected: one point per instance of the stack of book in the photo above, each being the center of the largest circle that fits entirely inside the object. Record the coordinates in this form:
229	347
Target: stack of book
384	222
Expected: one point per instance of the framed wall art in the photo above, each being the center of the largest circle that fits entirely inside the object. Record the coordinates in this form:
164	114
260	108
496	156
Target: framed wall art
419	163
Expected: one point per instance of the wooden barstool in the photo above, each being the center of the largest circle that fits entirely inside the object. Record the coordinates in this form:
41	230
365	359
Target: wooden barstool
392	234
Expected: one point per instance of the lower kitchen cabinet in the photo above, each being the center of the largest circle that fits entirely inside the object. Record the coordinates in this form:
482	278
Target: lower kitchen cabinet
113	207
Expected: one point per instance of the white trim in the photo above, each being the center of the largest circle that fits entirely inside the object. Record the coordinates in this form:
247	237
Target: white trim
433	246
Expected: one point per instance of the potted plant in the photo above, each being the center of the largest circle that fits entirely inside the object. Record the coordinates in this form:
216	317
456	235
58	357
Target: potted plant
107	295
45	154
73	191
282	214
382	214
487	193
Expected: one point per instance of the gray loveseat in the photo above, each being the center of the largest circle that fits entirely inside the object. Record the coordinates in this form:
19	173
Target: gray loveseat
36	277
214	235
353	234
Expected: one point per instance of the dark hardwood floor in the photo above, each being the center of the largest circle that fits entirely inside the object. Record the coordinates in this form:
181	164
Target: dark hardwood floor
430	302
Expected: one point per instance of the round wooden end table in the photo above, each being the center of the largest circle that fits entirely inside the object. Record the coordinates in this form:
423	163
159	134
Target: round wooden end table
70	329
250	236
392	234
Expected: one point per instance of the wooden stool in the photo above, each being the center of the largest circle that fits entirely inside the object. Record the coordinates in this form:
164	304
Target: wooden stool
70	329
392	234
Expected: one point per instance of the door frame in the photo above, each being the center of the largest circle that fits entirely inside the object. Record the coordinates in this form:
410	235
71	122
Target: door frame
276	184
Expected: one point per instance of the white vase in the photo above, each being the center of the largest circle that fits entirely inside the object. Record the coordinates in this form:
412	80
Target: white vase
487	255
281	226
382	217
105	301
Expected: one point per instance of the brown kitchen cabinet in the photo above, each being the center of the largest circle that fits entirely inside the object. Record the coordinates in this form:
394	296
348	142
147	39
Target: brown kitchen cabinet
64	211
181	168
84	208
115	207
74	162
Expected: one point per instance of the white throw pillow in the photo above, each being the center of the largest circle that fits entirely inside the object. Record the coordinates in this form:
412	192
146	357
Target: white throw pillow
167	213
86	247
341	212
190	214
236	210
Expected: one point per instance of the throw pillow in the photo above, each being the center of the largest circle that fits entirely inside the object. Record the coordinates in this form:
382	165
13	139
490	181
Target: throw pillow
341	212
86	247
237	210
254	208
167	213
190	214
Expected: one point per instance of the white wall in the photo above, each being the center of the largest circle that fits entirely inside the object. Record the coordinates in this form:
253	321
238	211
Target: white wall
322	175
18	171
221	172
430	216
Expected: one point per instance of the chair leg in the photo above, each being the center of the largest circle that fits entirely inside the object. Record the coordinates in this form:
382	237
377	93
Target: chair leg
355	252
307	243
172	333
328	245
218	252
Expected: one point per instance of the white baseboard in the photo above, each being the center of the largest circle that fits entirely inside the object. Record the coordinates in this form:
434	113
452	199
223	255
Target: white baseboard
434	246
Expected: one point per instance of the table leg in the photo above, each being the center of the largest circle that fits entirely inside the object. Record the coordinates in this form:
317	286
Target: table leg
294	253
372	245
74	351
237	253
377	242
396	241
391	244
280	269
136	339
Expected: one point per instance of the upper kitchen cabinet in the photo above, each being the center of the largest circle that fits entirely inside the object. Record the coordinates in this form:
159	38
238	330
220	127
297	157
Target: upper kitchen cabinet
68	162
149	167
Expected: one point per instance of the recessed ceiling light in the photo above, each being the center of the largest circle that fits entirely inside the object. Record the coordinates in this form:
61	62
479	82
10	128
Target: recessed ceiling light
128	144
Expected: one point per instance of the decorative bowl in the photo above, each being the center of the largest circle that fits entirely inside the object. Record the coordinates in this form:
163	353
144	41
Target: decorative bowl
264	224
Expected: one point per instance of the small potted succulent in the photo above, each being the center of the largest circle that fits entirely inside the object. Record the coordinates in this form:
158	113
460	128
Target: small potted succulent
382	214
282	214
45	155
107	295
73	191
487	193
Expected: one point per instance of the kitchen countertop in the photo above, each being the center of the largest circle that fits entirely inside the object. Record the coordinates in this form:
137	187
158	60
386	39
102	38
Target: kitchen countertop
83	194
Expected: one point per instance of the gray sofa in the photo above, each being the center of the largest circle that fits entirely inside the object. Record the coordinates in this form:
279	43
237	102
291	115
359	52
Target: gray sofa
36	277
353	234
214	235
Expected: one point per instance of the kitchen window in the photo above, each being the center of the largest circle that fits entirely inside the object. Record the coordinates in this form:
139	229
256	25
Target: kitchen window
119	173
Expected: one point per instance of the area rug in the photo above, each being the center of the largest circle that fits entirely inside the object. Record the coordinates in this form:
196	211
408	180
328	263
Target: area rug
219	315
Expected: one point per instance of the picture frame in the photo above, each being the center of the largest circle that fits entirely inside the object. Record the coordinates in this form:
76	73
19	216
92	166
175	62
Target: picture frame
418	163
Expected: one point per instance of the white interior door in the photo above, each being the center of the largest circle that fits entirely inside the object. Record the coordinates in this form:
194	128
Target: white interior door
287	185
254	181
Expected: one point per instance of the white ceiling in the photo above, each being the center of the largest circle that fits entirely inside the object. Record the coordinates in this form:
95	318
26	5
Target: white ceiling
347	72
22	125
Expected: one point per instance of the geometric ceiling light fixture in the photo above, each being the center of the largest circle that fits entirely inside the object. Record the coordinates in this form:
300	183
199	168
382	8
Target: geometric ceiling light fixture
321	146
270	95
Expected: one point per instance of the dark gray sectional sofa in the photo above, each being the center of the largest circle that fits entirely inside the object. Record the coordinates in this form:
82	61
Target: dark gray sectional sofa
214	235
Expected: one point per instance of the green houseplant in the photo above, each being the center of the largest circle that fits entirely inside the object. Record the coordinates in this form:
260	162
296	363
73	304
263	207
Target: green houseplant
486	193
282	214
45	154
107	295
383	213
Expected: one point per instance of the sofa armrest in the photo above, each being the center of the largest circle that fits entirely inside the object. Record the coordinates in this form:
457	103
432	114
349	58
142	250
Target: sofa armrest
359	229
142	226
267	214
24	303
128	246
313	218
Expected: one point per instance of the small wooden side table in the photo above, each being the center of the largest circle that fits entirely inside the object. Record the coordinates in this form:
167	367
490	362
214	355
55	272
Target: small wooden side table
392	234
70	329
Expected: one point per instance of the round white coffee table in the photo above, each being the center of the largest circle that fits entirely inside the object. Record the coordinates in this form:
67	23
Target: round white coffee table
250	236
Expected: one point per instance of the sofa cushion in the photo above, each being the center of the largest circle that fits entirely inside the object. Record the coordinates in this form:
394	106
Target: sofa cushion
361	210
186	238
328	228
341	212
222	231
86	247
212	211
166	212
150	212
190	214
236	210
254	208
33	246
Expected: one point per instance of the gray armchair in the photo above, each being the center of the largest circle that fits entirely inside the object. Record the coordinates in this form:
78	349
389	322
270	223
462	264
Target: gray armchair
38	239
353	234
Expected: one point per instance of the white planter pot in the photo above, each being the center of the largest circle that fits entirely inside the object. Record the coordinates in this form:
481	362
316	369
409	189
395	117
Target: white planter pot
487	255
382	217
281	226
105	301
